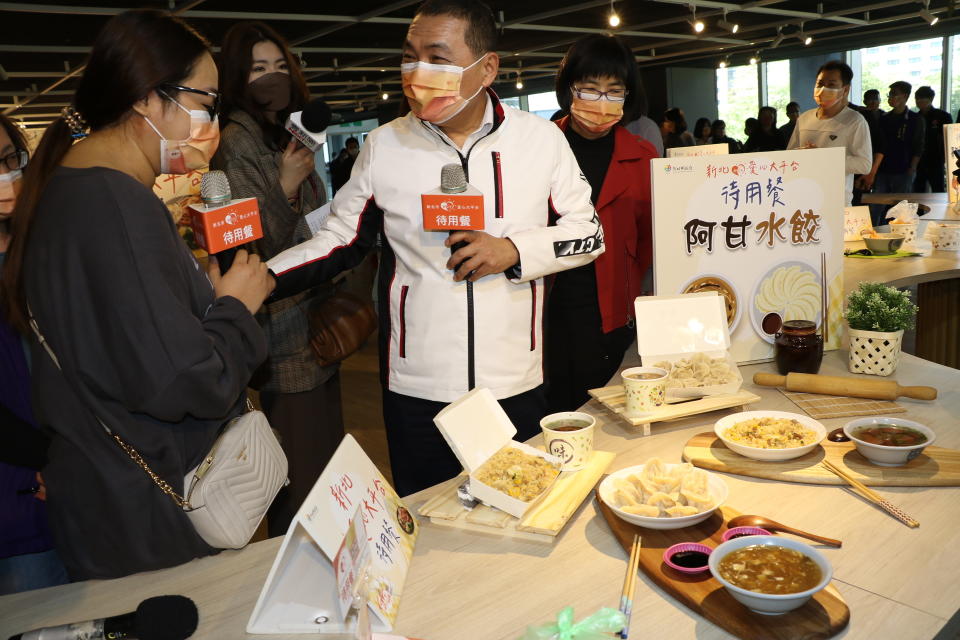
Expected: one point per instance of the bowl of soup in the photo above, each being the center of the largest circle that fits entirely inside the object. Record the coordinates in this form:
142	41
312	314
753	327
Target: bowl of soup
768	574
889	442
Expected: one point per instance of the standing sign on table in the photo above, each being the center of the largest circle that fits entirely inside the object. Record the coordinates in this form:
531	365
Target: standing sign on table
756	229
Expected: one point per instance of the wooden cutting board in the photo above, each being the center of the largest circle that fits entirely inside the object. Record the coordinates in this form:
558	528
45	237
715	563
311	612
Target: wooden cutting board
823	616
935	467
542	522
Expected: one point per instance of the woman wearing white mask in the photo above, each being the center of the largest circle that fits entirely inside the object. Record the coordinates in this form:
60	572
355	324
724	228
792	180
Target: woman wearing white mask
147	343
261	85
834	124
599	86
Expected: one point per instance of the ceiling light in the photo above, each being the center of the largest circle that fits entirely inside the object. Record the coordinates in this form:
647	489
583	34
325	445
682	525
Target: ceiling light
776	41
519	82
929	17
803	37
732	27
613	19
754	59
384	95
697	25
723	64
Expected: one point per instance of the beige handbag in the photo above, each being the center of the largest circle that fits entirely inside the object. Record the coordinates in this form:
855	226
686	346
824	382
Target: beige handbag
228	493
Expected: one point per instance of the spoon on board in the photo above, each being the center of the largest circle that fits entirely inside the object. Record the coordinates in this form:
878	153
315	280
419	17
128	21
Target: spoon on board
773	525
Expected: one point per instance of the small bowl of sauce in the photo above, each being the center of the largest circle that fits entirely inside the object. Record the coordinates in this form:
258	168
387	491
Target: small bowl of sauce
688	557
739	532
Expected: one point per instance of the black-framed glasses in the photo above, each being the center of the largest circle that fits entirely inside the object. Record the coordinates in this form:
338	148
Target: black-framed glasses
213	109
15	160
592	95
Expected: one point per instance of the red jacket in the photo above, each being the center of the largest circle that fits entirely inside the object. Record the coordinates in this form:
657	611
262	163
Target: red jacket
624	209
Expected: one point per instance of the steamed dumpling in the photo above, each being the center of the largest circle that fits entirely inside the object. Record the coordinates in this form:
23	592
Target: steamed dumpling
661	500
696	481
702	501
642	510
682	510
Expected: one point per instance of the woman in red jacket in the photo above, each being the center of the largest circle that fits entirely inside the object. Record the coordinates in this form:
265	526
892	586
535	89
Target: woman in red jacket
590	315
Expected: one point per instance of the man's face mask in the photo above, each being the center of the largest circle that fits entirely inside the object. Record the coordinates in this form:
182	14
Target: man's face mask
433	90
184	156
9	190
827	96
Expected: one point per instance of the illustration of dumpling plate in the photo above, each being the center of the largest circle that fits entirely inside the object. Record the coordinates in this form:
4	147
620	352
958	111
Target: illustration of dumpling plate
789	289
723	287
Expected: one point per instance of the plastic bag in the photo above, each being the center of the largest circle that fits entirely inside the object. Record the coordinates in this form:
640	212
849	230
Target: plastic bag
599	626
903	212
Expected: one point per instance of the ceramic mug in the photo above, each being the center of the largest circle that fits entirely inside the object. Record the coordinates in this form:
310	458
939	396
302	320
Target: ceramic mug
569	436
644	394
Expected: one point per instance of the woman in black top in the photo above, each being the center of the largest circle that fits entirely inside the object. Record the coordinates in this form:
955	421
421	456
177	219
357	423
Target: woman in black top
701	131
147	343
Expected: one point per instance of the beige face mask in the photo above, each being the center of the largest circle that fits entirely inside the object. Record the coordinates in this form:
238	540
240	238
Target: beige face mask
195	152
433	90
596	116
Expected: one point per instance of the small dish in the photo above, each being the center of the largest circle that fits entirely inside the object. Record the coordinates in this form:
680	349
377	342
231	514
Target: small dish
768	603
718	491
883	455
740	532
768	455
692	549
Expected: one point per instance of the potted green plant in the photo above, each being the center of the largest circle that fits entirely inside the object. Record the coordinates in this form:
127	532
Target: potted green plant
877	316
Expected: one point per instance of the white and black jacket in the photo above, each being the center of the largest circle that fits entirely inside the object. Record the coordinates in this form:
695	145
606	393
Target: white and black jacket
440	338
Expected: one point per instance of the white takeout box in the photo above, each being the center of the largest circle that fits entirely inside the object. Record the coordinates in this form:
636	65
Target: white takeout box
476	427
672	328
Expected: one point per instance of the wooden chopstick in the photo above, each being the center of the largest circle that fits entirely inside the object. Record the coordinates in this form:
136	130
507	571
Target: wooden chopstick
824	299
629	584
872	495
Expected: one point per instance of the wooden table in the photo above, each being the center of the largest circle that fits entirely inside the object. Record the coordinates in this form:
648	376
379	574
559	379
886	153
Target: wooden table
898	582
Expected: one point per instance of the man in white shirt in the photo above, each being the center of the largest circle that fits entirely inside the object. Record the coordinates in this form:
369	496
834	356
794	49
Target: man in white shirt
834	124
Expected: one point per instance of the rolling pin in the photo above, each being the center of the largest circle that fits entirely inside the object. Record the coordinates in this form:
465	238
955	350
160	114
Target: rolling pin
838	386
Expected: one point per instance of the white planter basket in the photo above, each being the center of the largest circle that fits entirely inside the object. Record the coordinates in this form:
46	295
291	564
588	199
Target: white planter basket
874	352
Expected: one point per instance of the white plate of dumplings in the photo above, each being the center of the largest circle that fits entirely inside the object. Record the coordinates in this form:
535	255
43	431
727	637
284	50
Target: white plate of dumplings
659	495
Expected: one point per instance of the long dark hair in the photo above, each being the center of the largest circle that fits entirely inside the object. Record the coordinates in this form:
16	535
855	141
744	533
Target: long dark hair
595	56
134	53
236	60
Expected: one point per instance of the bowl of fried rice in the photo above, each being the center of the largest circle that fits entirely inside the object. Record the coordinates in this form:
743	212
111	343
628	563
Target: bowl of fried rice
770	435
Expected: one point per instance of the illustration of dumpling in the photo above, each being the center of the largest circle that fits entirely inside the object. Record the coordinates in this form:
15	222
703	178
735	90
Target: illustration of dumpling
642	510
681	510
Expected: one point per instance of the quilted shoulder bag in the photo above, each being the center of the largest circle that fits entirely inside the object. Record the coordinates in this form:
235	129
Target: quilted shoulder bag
228	493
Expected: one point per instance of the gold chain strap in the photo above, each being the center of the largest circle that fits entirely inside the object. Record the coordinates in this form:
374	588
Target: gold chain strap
160	482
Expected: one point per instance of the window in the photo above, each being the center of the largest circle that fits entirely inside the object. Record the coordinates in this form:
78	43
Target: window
778	87
513	102
543	104
935	58
737	97
881	66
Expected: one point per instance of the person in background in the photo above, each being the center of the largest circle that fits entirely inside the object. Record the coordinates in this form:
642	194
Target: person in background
749	126
793	112
765	136
262	83
871	104
904	132
27	557
719	131
150	345
834	124
644	126
673	129
931	172
864	182
594	302
342	165
702	131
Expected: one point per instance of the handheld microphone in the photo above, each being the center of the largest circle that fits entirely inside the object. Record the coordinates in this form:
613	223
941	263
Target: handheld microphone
455	206
158	618
222	224
309	126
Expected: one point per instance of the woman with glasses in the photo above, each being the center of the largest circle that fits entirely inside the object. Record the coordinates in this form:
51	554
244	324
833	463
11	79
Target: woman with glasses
27	558
590	315
147	345
262	84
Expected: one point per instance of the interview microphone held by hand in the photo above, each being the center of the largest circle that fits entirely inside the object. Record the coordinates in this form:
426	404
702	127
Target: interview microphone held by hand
222	223
158	618
309	126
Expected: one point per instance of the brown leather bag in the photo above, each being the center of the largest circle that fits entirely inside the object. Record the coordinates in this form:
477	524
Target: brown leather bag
339	326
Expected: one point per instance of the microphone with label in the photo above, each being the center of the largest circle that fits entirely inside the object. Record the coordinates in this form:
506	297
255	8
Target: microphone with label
222	224
309	126
158	618
455	206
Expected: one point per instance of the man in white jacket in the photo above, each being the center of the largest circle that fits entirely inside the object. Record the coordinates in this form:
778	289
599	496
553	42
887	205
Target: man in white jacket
834	124
449	323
